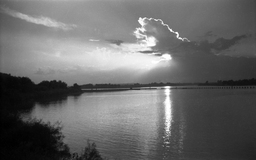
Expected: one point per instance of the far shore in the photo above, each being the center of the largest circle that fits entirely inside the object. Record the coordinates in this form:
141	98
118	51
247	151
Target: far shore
165	87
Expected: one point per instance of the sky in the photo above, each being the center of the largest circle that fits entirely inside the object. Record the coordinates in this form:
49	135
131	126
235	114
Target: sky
128	41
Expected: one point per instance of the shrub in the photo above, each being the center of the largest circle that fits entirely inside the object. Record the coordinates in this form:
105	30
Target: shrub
90	153
32	139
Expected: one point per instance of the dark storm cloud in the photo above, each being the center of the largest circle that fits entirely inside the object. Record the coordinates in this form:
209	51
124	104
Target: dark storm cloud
209	34
155	52
114	41
221	46
147	52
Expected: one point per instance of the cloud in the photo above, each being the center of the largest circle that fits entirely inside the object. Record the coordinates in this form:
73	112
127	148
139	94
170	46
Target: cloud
131	47
209	34
94	40
157	35
157	38
45	71
154	38
45	21
245	47
222	44
51	70
116	42
155	52
238	46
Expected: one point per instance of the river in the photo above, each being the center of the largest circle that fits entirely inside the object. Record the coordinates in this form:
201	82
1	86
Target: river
158	124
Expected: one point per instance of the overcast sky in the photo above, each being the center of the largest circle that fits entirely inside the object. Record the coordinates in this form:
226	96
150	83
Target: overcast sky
126	41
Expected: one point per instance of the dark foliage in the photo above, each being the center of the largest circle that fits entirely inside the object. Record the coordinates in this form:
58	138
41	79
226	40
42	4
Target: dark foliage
32	139
90	153
25	85
76	86
20	84
48	85
19	93
244	82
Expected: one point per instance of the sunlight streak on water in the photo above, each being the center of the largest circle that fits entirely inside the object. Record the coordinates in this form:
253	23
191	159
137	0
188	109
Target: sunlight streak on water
168	116
181	133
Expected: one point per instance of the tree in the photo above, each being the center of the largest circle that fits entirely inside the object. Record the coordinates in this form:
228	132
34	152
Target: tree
31	139
76	86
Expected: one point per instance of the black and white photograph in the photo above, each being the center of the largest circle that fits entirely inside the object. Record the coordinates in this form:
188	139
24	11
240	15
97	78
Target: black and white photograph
128	79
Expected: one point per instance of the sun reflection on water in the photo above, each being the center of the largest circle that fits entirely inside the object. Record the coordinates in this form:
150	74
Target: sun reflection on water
174	128
168	116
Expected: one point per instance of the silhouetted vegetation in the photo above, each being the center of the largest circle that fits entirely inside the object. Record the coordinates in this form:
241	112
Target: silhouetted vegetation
25	85
101	86
20	84
90	153
50	85
31	140
244	82
20	92
76	86
34	139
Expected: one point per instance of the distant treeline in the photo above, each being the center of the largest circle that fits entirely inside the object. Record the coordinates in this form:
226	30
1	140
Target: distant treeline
132	85
244	82
26	85
21	92
34	139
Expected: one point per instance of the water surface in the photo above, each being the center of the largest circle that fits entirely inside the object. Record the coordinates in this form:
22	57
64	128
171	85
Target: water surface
159	124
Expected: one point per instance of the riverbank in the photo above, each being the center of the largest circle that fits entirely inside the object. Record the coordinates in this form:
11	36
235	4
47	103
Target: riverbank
32	138
20	93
